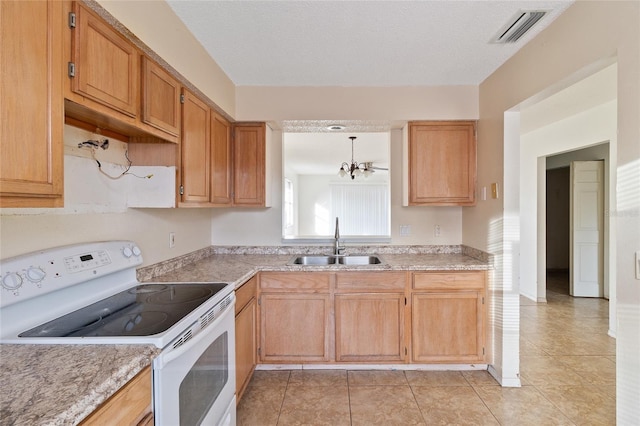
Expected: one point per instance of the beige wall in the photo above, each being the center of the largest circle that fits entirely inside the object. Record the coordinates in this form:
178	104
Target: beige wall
264	226
579	42
155	23
357	103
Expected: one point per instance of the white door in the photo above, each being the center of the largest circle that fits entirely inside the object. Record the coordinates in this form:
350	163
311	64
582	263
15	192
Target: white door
586	257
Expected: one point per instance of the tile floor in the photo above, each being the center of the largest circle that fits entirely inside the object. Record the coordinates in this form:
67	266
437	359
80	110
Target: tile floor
567	368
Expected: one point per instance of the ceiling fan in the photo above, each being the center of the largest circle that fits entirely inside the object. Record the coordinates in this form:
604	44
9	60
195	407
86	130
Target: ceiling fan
354	168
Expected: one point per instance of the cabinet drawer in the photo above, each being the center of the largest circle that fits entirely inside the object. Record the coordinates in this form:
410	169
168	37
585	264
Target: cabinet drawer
448	280
245	293
371	281
305	281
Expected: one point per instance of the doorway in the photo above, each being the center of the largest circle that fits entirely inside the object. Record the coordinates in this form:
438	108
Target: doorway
558	219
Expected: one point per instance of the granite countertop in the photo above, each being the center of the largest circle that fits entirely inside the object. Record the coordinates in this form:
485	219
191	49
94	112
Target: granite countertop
62	384
237	268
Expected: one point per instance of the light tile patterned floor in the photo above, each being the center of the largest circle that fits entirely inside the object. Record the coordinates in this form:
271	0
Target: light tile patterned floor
567	367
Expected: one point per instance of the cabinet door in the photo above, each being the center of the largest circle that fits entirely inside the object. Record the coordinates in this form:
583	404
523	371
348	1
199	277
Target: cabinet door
106	64
195	150
249	165
246	350
160	98
294	327
31	115
447	327
369	327
442	163
131	405
221	160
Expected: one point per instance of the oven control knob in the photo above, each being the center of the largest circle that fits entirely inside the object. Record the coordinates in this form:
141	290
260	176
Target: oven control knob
35	274
127	252
12	281
136	251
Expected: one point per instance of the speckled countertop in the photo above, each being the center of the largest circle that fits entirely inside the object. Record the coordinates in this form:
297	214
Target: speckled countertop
62	384
236	265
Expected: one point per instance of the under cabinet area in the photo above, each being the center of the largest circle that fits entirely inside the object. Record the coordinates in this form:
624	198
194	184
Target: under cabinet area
442	163
246	336
131	405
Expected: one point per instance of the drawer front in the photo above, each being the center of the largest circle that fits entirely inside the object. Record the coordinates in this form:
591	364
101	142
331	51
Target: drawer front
245	293
288	281
449	280
371	281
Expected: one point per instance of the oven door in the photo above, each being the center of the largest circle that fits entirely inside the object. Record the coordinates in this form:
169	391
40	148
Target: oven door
195	383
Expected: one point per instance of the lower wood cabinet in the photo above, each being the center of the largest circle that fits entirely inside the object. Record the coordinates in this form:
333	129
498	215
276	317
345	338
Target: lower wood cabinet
294	327
376	317
246	335
447	317
131	405
295	313
369	327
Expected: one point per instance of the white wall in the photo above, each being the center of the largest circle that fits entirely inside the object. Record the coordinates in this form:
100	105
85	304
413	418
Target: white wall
579	42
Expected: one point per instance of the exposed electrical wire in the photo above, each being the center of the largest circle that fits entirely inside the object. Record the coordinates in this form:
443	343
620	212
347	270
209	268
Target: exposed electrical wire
93	146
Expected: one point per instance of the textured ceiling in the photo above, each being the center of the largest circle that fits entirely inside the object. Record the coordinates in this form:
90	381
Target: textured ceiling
357	43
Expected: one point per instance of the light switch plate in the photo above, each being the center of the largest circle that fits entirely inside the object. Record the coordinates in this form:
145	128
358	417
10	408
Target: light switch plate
494	191
638	265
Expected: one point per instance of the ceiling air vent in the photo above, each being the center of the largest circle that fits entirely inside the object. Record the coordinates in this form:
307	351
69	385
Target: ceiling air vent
518	26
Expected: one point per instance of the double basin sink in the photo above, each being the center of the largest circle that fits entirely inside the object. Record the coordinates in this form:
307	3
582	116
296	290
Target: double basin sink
322	260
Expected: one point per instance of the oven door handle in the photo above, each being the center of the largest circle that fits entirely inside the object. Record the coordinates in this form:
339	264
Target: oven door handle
165	358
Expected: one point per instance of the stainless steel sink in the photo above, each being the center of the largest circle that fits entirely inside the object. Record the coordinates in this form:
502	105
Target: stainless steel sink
314	260
359	260
322	260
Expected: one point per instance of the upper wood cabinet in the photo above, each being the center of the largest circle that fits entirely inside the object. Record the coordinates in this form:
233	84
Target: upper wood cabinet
221	161
442	163
31	99
160	98
106	64
195	151
249	162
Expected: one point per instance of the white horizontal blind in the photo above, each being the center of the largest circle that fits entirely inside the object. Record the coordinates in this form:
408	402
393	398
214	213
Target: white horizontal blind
363	210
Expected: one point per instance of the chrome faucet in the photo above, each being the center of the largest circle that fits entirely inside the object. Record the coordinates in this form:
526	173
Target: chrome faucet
337	248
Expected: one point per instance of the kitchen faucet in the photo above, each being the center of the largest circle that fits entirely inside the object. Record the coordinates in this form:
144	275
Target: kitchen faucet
337	248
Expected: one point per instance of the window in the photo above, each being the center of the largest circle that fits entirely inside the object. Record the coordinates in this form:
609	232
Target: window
363	209
288	207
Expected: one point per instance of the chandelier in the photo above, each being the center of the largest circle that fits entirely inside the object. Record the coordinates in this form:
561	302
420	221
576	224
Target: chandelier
354	168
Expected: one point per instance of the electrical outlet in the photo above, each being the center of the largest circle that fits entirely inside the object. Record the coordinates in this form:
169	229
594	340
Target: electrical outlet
436	230
638	265
405	230
172	239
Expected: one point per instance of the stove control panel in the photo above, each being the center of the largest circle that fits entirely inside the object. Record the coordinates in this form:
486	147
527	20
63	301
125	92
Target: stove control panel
41	272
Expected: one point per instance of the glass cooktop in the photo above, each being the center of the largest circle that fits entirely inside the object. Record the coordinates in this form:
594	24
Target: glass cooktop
143	310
